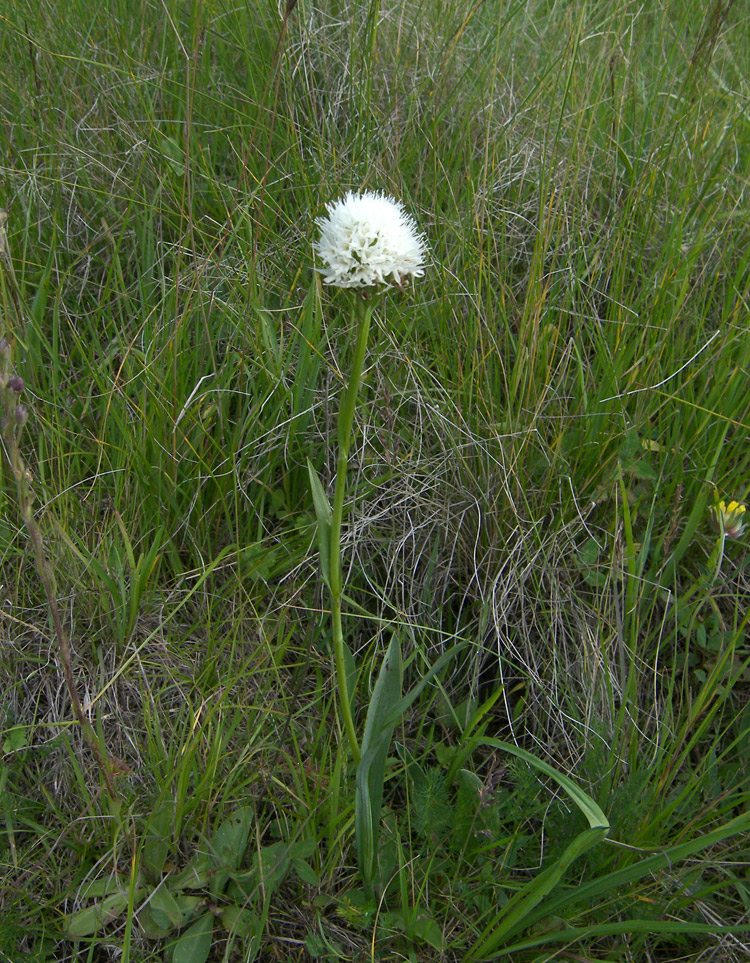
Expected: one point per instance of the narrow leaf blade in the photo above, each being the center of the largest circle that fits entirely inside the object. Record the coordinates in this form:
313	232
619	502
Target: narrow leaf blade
323	515
376	741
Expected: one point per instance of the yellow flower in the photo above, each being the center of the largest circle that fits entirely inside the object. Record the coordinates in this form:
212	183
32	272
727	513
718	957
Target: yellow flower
730	518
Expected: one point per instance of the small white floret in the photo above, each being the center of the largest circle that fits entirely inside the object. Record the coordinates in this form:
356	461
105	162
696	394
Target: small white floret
369	239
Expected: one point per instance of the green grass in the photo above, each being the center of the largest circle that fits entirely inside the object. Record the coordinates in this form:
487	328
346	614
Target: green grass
546	420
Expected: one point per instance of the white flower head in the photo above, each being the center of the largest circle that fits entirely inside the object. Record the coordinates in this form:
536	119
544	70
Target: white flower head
369	239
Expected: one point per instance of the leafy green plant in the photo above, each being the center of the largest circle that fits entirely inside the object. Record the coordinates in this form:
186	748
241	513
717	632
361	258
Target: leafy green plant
213	889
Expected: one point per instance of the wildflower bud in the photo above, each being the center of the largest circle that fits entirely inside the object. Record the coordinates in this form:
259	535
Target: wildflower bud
21	415
15	383
730	518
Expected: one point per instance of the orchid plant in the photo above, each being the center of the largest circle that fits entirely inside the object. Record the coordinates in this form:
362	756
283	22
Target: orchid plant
368	243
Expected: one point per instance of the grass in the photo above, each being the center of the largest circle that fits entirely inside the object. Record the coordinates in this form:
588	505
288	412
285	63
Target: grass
546	420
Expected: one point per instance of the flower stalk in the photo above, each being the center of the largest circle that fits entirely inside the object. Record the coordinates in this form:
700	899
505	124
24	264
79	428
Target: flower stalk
367	242
345	429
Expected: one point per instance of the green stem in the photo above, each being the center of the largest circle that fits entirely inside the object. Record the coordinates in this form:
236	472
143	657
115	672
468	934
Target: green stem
345	428
349	401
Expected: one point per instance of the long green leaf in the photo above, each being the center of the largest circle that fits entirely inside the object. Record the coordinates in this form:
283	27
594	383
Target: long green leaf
376	741
516	913
585	803
323	514
622	878
573	934
596	889
402	705
385	710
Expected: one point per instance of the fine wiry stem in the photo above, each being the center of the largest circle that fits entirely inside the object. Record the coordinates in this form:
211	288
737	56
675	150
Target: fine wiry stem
15	417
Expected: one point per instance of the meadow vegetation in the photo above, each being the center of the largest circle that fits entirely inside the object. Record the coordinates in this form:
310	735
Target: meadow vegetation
546	423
